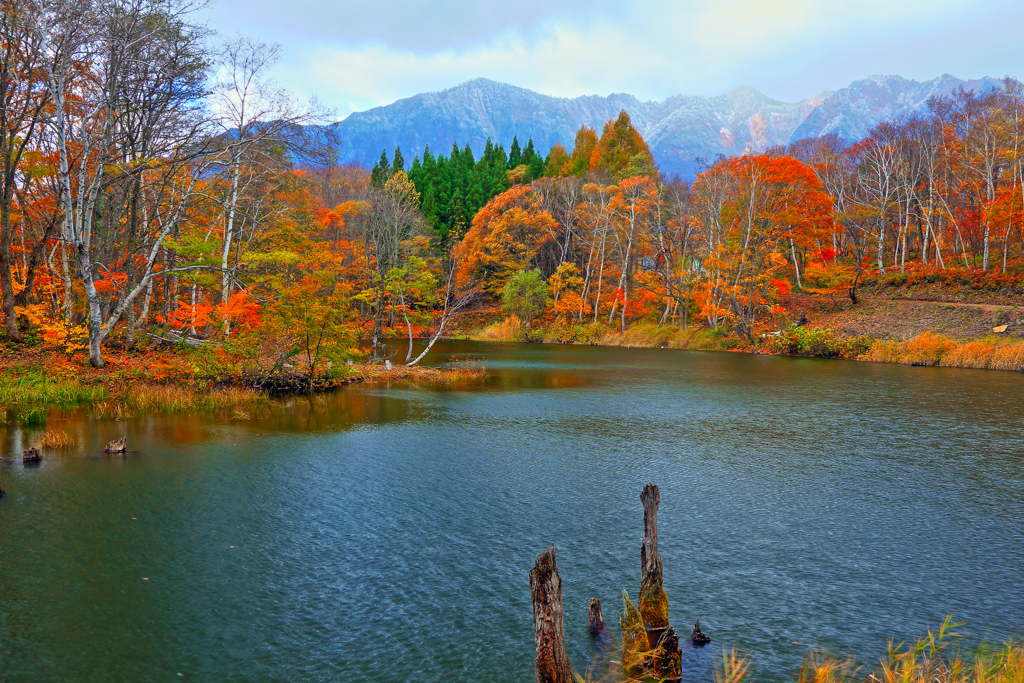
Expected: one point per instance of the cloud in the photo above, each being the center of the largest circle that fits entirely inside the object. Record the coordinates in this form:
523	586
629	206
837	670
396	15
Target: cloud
750	12
358	55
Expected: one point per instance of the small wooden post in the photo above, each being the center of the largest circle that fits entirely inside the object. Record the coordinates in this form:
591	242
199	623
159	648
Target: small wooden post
595	618
552	662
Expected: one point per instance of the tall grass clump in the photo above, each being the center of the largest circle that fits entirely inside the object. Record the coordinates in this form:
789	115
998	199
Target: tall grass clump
928	348
168	398
33	417
36	384
651	335
56	440
508	330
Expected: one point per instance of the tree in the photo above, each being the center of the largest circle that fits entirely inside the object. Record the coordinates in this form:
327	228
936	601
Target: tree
525	295
504	239
392	222
582	151
750	206
24	98
621	151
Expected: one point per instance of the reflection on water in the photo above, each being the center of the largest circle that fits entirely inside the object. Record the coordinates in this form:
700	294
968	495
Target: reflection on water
386	533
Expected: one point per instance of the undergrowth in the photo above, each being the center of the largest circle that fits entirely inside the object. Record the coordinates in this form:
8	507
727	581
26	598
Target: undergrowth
929	348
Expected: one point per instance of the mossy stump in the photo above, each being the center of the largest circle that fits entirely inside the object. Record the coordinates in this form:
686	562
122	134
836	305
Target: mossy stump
635	645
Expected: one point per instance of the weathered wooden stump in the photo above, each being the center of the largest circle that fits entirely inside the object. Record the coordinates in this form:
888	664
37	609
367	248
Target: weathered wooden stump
595	618
31	457
552	662
667	657
115	446
653	602
698	637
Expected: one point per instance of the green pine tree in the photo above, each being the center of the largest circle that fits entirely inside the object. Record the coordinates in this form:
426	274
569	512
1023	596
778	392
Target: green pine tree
381	170
399	163
515	154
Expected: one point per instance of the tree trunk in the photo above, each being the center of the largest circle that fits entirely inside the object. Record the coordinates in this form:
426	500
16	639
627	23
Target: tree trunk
552	662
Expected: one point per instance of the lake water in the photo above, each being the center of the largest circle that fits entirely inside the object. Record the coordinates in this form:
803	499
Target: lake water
386	533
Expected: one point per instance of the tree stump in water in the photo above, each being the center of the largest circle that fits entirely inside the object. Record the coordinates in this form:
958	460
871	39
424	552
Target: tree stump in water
31	457
698	637
115	446
634	638
653	602
552	662
666	661
595	618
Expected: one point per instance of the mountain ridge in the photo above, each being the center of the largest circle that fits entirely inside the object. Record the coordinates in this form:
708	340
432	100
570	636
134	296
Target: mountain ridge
679	129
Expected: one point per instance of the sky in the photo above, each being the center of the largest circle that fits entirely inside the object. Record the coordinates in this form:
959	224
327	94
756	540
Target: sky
356	55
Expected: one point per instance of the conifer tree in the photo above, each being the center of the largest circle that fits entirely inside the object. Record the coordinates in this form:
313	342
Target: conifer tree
515	154
381	170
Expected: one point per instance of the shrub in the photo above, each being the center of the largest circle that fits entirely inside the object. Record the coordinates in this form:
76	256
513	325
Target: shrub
816	342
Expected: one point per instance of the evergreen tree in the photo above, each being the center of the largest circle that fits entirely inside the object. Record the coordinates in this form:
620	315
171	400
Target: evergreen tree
515	154
381	170
399	163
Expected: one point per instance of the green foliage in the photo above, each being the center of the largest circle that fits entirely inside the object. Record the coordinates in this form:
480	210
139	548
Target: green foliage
525	295
816	342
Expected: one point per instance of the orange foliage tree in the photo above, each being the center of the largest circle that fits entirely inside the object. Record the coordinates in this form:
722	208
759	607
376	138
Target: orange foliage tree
504	238
753	206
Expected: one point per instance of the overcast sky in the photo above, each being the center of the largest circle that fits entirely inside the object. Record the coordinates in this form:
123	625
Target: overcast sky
357	55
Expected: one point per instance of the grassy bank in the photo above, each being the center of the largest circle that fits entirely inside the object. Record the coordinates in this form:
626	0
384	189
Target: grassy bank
813	340
33	380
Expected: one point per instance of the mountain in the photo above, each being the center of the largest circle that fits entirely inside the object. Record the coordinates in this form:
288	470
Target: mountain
679	130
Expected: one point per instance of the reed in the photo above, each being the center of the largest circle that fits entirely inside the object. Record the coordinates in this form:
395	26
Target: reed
733	668
56	440
172	398
33	417
508	330
932	659
21	385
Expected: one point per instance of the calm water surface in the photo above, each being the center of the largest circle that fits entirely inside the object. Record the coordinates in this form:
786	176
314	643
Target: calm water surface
386	533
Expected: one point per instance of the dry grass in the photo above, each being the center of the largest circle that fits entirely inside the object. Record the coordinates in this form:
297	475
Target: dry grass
927	348
734	667
994	353
170	398
651	336
932	659
508	330
464	372
56	440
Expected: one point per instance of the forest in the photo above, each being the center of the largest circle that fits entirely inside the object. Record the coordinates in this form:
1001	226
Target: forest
158	188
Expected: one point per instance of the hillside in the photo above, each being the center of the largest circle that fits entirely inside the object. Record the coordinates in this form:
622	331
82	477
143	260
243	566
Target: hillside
678	130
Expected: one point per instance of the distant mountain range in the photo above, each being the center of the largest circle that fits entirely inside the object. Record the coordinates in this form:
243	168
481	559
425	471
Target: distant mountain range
678	130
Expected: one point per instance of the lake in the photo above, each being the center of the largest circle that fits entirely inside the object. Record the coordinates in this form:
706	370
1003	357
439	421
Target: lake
386	533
